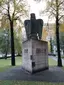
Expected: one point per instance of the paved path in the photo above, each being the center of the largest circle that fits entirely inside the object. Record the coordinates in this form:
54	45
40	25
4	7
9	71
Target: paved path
54	74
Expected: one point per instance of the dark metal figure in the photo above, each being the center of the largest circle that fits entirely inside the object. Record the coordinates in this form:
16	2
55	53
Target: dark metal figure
33	27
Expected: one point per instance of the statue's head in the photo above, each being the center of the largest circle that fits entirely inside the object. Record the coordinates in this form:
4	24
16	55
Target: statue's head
32	15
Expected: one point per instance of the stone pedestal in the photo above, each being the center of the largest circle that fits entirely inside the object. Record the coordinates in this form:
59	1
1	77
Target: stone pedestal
34	55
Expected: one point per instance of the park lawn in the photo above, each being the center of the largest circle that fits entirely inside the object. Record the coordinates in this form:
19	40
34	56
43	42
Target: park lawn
62	57
7	82
6	63
52	62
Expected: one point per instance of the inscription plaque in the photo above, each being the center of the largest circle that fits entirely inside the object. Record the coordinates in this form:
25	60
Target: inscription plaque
39	51
25	50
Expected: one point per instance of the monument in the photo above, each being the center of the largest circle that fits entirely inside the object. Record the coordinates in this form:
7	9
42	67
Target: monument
34	50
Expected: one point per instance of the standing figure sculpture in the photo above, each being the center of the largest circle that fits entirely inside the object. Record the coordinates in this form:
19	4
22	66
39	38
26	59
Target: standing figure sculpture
33	27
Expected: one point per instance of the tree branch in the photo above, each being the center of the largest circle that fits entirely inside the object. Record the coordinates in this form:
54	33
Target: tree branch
60	3
4	8
18	12
16	18
61	17
5	14
9	12
53	9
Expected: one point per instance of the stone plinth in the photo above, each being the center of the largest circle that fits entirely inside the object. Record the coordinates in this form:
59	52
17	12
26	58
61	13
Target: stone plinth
34	55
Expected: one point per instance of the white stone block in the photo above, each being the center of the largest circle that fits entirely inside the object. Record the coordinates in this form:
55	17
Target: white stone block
34	55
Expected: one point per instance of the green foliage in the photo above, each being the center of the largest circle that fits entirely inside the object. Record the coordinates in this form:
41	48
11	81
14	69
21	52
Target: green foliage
18	45
18	40
61	36
62	40
4	41
4	22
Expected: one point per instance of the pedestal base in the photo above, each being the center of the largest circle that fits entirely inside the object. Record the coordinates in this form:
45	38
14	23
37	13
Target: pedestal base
34	55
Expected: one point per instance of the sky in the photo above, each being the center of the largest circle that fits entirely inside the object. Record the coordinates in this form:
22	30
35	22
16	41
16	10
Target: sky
36	8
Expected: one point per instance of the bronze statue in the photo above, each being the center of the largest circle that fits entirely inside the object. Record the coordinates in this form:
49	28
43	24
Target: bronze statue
33	27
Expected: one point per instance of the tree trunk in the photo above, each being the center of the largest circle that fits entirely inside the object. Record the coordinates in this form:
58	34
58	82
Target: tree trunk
6	55
63	52
12	44
57	35
51	46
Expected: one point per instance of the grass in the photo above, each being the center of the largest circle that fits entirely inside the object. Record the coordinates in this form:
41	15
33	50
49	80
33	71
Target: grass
52	62
6	64
27	83
62	57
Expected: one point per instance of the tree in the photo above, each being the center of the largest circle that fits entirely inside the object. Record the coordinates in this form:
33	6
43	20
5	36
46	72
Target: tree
55	10
13	10
57	33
